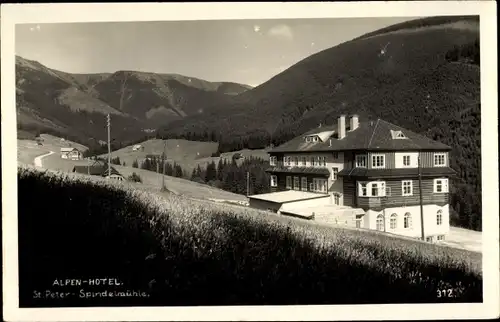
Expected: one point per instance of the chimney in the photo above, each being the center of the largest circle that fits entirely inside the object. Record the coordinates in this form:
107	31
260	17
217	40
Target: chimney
341	127
354	122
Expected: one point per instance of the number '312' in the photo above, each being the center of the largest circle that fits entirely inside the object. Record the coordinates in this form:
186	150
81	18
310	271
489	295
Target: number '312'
445	293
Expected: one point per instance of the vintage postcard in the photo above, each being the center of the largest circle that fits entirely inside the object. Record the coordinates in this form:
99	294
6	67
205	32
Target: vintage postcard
250	161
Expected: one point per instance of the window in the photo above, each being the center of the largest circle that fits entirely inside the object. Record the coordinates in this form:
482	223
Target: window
296	159
320	185
289	182
440	237
311	186
336	199
407	187
315	139
335	172
378	161
372	189
400	135
304	184
407	220
358	222
308	139
397	135
303	161
312	161
324	186
363	190
439	159
335	155
406	161
380	222
387	191
274	181
272	161
296	183
378	189
323	161
440	185
288	161
361	161
439	217
429	239
394	221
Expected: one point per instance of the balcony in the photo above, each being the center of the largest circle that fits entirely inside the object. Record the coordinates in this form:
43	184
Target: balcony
395	173
280	167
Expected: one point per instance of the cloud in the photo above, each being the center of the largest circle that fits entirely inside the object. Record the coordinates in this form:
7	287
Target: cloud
281	31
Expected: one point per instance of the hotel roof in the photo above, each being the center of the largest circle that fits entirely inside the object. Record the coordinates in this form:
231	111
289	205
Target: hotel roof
369	135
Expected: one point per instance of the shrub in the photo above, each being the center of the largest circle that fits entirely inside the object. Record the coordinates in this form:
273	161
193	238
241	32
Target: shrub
134	177
187	252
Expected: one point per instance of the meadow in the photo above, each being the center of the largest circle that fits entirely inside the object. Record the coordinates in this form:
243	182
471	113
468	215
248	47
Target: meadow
181	151
180	251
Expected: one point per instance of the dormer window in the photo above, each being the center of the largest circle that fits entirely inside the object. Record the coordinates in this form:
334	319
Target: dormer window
312	138
398	135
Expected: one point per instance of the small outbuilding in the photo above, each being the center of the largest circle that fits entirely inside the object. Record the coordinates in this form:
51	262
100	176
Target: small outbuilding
100	170
71	154
281	202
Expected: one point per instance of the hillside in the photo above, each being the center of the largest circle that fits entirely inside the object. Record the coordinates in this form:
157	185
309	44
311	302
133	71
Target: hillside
74	105
183	152
177	250
422	75
28	148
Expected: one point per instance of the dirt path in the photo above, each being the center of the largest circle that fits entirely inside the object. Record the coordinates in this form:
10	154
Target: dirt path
38	159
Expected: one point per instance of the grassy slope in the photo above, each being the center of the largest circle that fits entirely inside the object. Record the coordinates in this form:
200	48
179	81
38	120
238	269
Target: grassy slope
180	186
183	152
257	153
188	154
180	251
28	149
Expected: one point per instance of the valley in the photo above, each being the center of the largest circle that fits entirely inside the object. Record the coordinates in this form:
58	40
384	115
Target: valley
406	74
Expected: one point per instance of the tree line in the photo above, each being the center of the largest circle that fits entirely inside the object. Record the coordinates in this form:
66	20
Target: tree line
248	176
226	175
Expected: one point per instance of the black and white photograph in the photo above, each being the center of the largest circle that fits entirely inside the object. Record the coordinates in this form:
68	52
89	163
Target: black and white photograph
269	161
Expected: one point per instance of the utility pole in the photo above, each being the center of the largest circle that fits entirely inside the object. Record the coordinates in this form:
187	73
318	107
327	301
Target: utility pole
248	183
421	201
164	158
109	145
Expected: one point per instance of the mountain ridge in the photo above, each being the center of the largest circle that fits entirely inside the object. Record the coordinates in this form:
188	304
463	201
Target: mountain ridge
68	104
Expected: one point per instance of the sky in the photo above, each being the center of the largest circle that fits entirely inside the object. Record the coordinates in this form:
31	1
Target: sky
243	51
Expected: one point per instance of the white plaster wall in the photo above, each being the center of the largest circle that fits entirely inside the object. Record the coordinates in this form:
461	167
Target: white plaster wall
305	203
430	222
